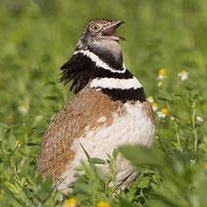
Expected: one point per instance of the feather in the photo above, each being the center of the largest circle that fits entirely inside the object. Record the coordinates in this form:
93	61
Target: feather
79	70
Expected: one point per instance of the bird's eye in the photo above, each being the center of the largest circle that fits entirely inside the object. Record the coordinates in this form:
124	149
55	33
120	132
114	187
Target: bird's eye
94	27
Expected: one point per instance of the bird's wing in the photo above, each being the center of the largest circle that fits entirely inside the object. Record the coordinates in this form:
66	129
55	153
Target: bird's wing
148	110
77	69
69	124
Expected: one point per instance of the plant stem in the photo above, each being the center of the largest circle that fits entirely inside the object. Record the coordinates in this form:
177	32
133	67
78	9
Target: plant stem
194	128
178	136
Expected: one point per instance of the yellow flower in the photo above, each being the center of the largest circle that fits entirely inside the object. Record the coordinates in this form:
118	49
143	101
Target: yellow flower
71	202
154	106
162	71
205	165
103	204
162	74
163	113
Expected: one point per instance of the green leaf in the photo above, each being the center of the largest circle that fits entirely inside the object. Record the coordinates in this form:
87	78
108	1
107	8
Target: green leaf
141	156
97	160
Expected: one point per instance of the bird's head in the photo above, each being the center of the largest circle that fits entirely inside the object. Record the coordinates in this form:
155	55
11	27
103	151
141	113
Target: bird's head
98	47
100	34
102	29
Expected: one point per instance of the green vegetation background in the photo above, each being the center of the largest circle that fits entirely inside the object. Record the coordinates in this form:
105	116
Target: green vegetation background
38	36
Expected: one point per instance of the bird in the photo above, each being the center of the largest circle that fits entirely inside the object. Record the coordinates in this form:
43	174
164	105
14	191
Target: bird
109	109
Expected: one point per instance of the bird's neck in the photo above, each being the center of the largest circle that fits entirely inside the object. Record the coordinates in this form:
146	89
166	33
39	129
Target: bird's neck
113	78
103	73
109	52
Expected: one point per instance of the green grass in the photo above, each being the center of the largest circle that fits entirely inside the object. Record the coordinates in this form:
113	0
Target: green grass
36	37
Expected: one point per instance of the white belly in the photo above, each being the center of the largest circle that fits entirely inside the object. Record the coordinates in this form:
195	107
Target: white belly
134	127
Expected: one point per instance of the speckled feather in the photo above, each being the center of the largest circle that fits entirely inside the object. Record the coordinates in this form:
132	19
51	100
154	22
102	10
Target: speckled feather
70	123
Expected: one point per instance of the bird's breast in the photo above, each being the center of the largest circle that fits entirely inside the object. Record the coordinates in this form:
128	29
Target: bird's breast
133	126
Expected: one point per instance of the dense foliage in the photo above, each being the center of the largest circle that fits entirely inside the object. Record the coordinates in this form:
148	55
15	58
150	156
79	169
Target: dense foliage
163	39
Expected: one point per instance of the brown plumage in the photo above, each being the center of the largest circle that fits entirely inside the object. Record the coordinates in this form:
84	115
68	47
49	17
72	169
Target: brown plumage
70	123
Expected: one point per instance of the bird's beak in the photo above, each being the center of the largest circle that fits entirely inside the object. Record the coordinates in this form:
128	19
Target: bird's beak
111	30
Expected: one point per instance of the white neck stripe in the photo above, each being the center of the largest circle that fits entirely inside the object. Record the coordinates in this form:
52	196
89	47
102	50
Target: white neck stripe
99	62
115	83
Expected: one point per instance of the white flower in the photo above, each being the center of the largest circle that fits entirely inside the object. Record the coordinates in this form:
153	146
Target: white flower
159	84
162	74
154	106
163	113
38	118
192	162
18	144
183	75
199	118
23	109
150	99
